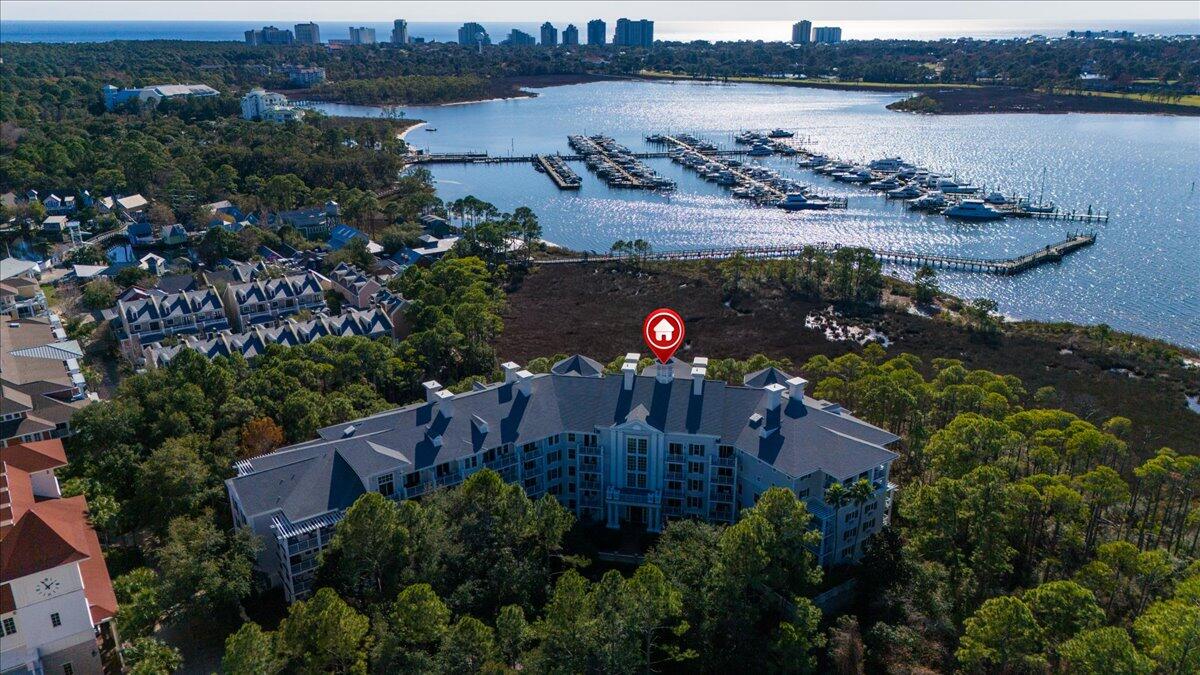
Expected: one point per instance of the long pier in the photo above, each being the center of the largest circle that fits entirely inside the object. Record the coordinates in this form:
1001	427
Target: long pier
559	172
1001	266
484	158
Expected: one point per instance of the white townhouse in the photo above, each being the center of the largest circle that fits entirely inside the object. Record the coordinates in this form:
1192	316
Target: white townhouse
628	450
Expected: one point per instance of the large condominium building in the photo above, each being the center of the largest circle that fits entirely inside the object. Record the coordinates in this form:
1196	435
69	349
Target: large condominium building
549	34
41	382
269	35
520	38
114	97
628	449
266	300
802	32
269	106
56	598
570	36
362	35
631	33
308	34
400	32
472	34
827	35
597	32
151	316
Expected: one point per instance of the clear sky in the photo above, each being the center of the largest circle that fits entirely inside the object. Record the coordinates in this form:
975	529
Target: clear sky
525	10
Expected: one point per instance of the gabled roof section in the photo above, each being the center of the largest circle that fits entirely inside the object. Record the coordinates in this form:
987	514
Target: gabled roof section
45	537
769	375
58	351
35	456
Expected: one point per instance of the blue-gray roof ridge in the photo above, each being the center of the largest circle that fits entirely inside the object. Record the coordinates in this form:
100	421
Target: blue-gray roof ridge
807	438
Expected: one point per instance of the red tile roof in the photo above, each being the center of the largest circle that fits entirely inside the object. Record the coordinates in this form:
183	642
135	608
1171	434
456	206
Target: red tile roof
35	456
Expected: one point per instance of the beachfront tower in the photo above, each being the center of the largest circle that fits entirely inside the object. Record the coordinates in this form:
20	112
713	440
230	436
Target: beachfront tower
802	32
597	32
570	36
549	34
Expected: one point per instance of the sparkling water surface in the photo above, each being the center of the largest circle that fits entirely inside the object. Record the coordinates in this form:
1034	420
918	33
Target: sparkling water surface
1142	275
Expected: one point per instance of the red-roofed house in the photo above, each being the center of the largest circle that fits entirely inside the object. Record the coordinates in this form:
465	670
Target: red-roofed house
56	598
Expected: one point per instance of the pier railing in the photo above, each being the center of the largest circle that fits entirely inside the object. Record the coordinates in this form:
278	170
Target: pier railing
1002	266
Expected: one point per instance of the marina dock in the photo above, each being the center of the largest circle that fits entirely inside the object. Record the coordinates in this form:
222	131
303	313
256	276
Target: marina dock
558	171
1000	266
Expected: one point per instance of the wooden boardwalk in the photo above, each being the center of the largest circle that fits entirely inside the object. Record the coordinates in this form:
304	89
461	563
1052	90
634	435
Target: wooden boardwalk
1001	266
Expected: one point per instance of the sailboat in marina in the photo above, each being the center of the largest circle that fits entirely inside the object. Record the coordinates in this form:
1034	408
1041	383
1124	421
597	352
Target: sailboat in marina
1041	205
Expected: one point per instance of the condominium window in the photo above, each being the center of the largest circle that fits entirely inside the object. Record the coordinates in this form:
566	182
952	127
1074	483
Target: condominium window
696	450
10	626
848	552
803	494
68	669
695	502
695	467
636	461
695	484
387	485
553	440
413	479
553	474
725	451
675	448
570	438
554	456
529	447
55	620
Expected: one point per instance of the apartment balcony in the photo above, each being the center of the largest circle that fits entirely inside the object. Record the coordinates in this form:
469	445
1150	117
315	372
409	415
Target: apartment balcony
721	496
589	450
502	462
721	480
674	475
724	462
590	485
449	479
677	494
590	501
419	489
633	496
672	510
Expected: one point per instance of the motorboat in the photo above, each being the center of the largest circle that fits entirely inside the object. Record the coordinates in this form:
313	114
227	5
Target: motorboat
997	198
909	191
887	165
858	175
953	187
813	162
929	202
796	201
889	183
760	151
780	133
973	209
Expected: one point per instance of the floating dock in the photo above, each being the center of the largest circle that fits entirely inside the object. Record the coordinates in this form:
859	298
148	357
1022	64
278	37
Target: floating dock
1003	266
558	171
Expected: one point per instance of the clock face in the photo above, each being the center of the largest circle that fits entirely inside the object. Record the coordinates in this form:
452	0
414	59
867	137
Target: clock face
47	587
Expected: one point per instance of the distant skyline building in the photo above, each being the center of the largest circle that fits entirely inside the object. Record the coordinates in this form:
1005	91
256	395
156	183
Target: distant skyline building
570	36
549	34
362	35
634	33
472	34
520	38
597	32
802	32
400	32
308	34
269	35
827	35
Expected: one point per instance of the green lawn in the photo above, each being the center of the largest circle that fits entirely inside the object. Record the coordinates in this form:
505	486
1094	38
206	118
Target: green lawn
1190	100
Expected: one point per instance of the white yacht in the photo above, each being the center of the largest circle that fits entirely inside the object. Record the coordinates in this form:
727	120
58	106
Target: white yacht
889	183
973	209
929	202
909	191
887	165
813	162
780	133
796	201
760	151
998	198
953	187
857	175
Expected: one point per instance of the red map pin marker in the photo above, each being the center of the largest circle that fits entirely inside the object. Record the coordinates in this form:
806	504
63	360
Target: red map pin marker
663	333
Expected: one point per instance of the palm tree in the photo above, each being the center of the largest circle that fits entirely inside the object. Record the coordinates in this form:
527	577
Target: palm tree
860	493
836	496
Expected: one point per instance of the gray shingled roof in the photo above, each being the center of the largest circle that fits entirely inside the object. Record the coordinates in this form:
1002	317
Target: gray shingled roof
807	438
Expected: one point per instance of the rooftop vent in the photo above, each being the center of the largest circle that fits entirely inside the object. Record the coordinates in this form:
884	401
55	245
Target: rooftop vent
444	403
699	372
524	382
510	371
348	431
796	387
628	372
432	387
772	395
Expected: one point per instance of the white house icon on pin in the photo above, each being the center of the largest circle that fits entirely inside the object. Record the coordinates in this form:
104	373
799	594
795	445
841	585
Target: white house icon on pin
663	331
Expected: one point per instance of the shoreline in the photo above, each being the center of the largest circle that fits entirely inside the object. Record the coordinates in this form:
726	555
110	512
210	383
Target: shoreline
966	99
501	89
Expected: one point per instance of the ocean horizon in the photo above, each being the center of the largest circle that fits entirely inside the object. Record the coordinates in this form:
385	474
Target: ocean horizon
682	31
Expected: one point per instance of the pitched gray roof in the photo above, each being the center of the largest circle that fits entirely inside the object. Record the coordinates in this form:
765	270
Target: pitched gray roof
805	438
